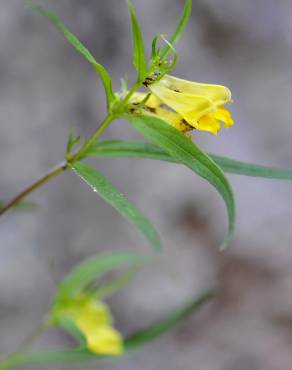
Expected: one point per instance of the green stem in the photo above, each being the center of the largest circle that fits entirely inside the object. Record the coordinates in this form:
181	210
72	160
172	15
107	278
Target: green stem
30	339
80	153
43	180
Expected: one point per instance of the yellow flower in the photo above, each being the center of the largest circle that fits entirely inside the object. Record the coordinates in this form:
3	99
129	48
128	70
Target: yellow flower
189	105
94	320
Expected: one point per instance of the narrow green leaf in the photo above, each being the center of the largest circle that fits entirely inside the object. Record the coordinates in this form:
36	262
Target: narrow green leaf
147	335
138	45
249	169
117	200
47	357
93	269
179	29
122	148
185	151
139	149
73	40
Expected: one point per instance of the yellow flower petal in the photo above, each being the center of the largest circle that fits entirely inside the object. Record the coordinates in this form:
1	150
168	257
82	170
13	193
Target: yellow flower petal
223	115
207	123
218	94
93	313
190	107
94	320
104	340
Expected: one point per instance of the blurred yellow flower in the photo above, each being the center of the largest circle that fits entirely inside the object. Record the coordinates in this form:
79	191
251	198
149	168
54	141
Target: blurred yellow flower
189	105
94	320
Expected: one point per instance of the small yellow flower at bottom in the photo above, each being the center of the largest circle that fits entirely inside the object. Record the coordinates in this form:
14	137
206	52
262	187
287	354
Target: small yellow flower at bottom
189	105
94	321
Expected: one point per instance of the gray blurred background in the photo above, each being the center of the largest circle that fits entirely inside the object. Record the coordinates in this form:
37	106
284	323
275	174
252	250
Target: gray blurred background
46	89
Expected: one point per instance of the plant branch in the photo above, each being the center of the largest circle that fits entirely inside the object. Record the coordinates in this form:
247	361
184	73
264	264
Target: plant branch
31	338
80	154
59	169
43	180
11	360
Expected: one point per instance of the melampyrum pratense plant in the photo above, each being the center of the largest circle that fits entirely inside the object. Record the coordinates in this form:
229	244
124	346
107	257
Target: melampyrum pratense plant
164	112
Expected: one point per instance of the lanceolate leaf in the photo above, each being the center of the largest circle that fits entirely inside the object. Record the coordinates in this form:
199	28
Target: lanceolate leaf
183	150
139	149
134	341
72	39
106	190
249	169
179	29
122	148
138	45
56	356
92	269
147	335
